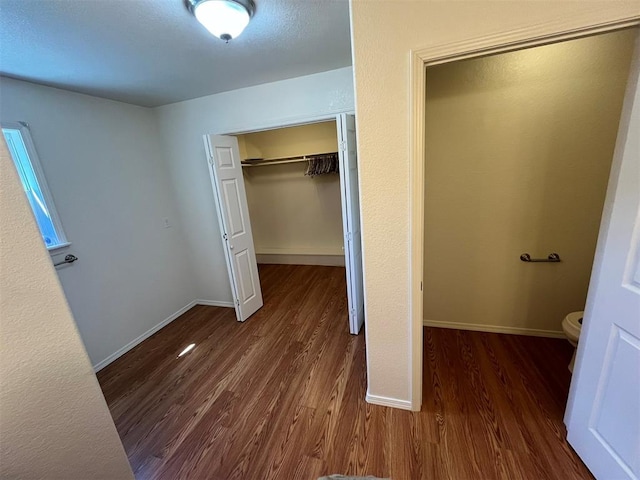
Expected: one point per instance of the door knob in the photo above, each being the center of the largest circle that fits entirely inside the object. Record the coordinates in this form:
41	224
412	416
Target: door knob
230	247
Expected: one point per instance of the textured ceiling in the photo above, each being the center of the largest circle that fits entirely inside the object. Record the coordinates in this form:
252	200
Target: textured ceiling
154	52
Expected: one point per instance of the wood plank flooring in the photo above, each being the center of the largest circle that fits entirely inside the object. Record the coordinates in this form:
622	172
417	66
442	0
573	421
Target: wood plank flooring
281	396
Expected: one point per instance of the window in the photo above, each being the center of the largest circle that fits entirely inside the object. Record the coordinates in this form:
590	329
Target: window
26	161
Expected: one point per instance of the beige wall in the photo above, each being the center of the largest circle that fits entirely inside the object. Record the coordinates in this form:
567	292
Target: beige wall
54	422
292	214
518	151
384	34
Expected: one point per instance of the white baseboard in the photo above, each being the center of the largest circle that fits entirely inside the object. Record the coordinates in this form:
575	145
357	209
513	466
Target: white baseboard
117	354
533	332
314	251
114	356
213	303
388	402
300	259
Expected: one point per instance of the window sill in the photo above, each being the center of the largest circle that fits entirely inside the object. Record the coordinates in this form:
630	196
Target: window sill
55	248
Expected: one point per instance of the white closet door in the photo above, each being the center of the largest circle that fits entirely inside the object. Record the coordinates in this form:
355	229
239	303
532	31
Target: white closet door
351	219
233	213
603	418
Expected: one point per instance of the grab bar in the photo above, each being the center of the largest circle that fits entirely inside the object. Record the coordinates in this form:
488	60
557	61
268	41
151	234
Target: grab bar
553	258
67	259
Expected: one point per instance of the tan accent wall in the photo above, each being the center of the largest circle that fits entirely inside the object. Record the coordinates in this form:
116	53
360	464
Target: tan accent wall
518	152
292	214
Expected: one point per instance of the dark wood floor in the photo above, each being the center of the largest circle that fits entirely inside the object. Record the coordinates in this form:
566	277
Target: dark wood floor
282	397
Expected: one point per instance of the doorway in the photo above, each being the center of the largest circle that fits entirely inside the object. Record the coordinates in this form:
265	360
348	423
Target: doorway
289	195
518	152
549	187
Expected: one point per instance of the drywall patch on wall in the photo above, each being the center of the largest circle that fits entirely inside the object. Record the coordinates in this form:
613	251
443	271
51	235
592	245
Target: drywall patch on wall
54	420
182	126
383	37
518	151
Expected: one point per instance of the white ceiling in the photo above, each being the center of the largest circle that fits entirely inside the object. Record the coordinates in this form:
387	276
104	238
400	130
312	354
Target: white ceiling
154	52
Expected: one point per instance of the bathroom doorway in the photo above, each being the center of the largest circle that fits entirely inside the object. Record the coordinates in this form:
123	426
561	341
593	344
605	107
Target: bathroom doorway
518	151
519	148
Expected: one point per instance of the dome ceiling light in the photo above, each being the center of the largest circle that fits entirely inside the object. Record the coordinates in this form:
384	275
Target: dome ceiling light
226	19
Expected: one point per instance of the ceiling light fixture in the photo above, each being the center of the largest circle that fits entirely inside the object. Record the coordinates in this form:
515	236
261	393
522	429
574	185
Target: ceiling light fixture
226	19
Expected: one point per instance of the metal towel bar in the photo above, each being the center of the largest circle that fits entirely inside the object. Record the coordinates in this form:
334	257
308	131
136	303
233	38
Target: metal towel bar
553	258
67	259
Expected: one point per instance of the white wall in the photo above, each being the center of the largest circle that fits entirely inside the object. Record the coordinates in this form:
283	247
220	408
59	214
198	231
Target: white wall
109	180
182	126
383	37
518	151
53	417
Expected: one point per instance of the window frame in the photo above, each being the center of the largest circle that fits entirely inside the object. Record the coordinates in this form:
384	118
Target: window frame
23	128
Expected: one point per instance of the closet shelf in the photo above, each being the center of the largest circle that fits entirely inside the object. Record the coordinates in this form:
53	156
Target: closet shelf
261	162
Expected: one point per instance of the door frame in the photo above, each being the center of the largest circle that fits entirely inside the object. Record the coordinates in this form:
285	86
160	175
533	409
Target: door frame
419	61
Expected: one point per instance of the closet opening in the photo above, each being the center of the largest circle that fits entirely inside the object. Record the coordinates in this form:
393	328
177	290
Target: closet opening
296	217
289	196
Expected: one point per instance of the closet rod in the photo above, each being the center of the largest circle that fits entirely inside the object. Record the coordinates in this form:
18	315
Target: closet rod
274	162
282	160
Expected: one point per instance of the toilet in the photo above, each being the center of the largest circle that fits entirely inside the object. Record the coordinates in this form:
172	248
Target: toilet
571	325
